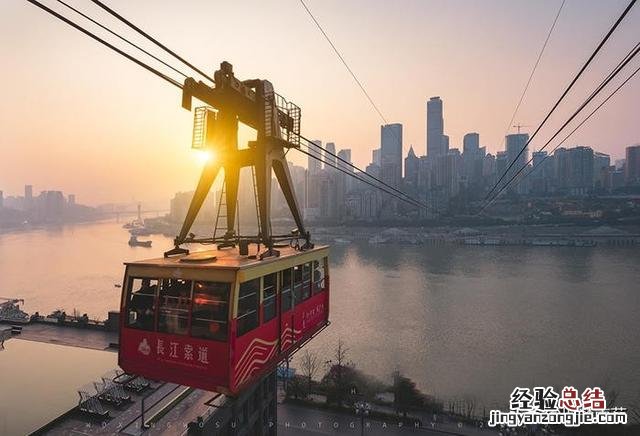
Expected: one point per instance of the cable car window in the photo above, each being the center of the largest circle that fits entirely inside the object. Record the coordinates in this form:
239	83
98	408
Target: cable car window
141	303
210	313
248	306
306	280
269	295
318	276
174	301
286	293
297	284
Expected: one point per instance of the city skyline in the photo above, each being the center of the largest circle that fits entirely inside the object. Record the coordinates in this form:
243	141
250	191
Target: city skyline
143	133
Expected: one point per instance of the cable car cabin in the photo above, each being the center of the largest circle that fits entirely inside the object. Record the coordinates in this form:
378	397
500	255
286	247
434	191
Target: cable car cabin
216	320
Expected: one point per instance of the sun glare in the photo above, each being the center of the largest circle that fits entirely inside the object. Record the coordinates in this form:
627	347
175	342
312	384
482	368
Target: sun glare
203	156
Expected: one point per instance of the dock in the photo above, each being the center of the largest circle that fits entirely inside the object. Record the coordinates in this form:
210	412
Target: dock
95	339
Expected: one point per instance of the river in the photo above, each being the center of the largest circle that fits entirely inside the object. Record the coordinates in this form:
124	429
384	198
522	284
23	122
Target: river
461	321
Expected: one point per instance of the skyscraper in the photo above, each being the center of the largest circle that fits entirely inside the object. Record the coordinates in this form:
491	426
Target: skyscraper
472	160
391	153
514	143
330	147
345	154
313	164
28	197
632	165
375	157
411	168
574	169
541	172
435	128
471	143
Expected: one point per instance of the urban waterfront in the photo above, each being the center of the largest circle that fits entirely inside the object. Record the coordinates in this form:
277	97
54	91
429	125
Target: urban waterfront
462	321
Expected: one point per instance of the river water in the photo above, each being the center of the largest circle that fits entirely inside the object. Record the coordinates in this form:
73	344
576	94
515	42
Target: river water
461	321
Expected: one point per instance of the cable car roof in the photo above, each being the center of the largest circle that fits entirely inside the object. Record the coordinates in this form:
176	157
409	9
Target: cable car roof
227	258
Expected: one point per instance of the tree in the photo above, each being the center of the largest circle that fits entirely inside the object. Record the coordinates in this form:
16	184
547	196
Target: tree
405	394
334	380
310	366
295	388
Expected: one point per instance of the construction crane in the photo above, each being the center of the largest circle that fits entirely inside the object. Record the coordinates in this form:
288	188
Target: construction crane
519	126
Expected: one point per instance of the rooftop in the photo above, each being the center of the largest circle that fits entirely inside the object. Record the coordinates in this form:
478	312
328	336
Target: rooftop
226	258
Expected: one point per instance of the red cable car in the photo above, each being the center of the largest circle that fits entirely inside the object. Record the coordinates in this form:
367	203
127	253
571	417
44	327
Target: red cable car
217	320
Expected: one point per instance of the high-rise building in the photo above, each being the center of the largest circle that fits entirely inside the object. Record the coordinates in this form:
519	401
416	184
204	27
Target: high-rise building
28	197
513	145
391	153
314	165
574	170
411	168
501	164
601	172
1	199
345	155
375	157
632	165
71	199
447	174
330	147
541	173
435	129
471	143
472	156
345	182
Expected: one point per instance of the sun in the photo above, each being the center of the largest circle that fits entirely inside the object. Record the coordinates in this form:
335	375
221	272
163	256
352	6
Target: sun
204	156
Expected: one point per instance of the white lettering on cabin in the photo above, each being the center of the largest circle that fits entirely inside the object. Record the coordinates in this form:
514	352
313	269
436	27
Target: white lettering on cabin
160	347
312	315
188	352
174	349
203	355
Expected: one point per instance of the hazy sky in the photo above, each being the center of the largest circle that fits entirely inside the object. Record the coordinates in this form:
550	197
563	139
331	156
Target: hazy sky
77	117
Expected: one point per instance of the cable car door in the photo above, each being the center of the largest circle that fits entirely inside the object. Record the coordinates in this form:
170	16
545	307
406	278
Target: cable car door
286	310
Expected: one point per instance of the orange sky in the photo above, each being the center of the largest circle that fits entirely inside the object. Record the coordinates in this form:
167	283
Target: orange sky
77	117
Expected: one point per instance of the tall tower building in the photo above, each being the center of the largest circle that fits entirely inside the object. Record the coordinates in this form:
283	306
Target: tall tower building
330	147
435	129
314	165
632	166
391	153
375	157
471	143
28	197
411	168
514	144
345	154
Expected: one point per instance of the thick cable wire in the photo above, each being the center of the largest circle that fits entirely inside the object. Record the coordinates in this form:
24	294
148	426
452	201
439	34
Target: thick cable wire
533	70
355	176
152	39
566	91
105	43
121	38
344	62
493	199
351	165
